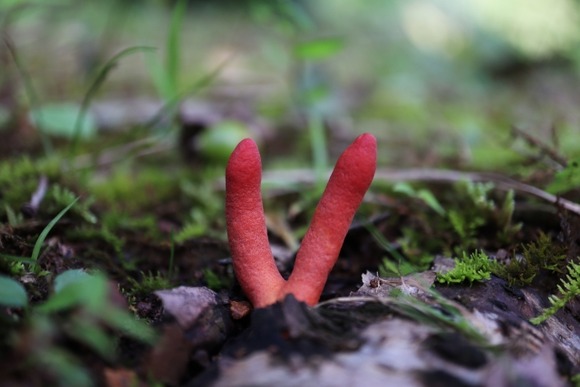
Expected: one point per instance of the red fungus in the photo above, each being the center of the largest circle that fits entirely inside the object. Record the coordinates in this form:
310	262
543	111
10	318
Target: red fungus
252	258
246	224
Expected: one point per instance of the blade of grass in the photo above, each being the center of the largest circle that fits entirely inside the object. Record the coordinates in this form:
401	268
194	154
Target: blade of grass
165	110
44	233
173	40
13	219
31	94
174	101
318	144
384	243
16	258
94	87
158	75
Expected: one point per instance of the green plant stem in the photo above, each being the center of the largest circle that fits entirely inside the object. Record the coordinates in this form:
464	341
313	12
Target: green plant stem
175	100
318	144
173	40
31	94
94	87
46	230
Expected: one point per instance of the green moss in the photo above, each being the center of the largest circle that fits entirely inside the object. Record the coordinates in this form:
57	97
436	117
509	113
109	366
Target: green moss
540	255
19	178
544	253
214	281
567	179
475	207
25	168
206	211
517	272
568	290
103	234
474	267
117	221
62	196
148	283
470	216
130	191
575	380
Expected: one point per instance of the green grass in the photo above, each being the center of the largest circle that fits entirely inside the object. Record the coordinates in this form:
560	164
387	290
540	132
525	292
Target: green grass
46	230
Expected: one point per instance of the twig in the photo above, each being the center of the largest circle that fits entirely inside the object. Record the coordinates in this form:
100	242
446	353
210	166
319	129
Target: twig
138	148
305	176
537	143
31	208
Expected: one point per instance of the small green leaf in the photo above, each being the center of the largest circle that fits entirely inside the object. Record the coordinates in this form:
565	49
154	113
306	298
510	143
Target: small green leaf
60	120
91	293
12	293
566	179
15	258
389	268
423	194
430	199
67	369
319	48
93	335
405	188
128	324
217	142
13	218
68	277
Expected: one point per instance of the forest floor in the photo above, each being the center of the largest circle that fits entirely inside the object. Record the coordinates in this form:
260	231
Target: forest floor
462	264
84	254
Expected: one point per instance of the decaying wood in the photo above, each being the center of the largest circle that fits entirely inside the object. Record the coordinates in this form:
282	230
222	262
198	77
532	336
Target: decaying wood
374	339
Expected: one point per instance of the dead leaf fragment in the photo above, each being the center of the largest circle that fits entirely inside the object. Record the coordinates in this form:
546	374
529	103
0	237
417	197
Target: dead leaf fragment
121	377
186	303
239	309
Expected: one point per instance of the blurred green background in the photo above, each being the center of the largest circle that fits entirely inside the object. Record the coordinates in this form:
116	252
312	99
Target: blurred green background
440	82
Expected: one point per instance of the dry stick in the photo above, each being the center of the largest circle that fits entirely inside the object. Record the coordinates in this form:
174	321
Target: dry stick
30	208
394	175
139	148
537	143
501	182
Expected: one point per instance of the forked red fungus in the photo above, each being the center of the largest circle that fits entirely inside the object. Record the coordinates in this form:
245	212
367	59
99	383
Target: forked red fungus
246	226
